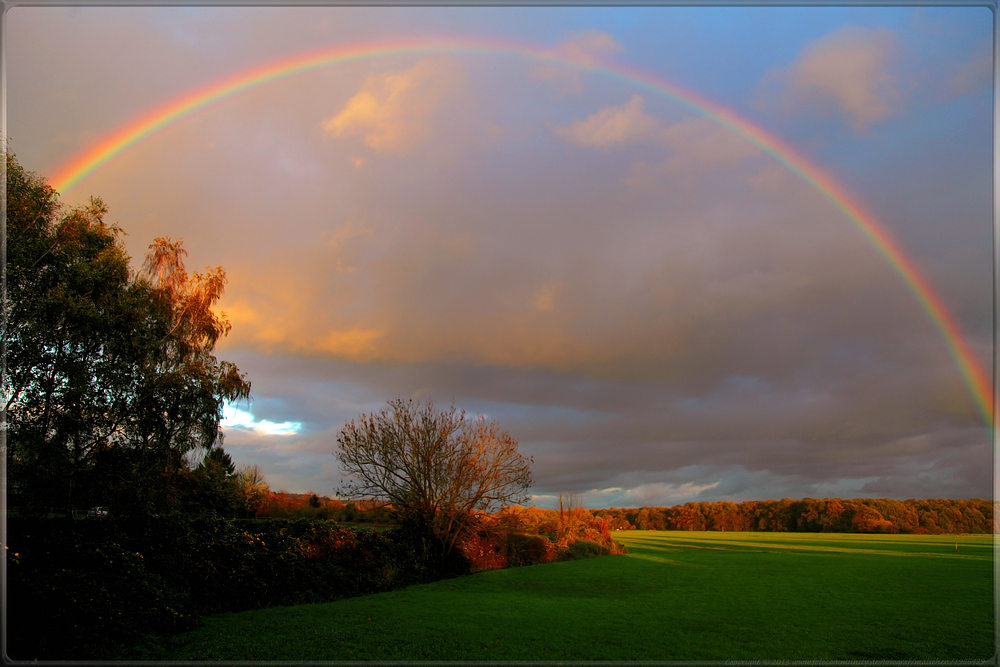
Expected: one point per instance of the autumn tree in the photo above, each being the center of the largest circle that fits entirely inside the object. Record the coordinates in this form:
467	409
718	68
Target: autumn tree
571	516
179	388
437	468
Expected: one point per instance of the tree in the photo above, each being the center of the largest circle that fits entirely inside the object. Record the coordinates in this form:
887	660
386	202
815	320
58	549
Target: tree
253	489
111	378
214	487
571	516
69	364
437	468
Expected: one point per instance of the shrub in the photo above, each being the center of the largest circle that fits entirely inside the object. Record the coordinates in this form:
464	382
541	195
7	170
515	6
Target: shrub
486	551
584	549
530	550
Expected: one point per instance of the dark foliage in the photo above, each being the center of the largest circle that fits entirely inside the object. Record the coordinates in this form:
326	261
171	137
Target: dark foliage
586	549
529	550
111	374
426	551
90	589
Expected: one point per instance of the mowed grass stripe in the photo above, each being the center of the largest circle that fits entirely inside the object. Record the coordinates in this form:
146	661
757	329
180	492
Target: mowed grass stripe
696	604
970	547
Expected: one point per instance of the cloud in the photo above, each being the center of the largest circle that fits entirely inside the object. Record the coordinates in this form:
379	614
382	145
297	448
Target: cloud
647	495
356	343
695	143
624	124
588	48
395	111
849	72
234	418
725	324
545	298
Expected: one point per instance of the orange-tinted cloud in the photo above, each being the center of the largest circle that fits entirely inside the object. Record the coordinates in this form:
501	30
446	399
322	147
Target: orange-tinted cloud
395	111
624	124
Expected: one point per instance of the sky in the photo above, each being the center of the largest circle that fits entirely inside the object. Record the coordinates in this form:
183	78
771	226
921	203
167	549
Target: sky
539	218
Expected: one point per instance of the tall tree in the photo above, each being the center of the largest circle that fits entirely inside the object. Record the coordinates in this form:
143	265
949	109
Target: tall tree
111	378
68	296
177	406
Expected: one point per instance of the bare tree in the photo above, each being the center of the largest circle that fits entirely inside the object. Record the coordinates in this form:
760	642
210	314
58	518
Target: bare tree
437	468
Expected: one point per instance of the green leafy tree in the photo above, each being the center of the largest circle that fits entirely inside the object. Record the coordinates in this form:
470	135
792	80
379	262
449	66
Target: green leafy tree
214	487
71	366
111	379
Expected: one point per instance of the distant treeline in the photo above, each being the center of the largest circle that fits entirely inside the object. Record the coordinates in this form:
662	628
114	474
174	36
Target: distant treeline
860	515
284	505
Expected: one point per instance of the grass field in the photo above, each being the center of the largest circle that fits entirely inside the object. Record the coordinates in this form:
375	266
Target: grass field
675	596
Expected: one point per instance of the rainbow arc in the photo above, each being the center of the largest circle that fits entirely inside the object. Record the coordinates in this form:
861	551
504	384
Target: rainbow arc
92	158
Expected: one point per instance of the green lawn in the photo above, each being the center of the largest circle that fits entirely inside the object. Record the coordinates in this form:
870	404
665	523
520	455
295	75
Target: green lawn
676	596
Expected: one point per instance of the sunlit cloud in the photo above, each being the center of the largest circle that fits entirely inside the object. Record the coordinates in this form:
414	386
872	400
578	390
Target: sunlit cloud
699	143
545	298
356	343
589	47
394	111
234	418
624	124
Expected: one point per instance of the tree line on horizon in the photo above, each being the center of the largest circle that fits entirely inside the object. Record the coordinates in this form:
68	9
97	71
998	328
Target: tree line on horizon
811	515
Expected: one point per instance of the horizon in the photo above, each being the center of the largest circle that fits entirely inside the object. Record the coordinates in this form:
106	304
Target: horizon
681	254
345	501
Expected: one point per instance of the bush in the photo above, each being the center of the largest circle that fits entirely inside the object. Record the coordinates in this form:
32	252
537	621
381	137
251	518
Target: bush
424	554
486	551
77	589
585	549
530	550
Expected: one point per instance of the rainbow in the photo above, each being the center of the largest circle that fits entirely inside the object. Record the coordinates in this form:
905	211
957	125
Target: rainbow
80	166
